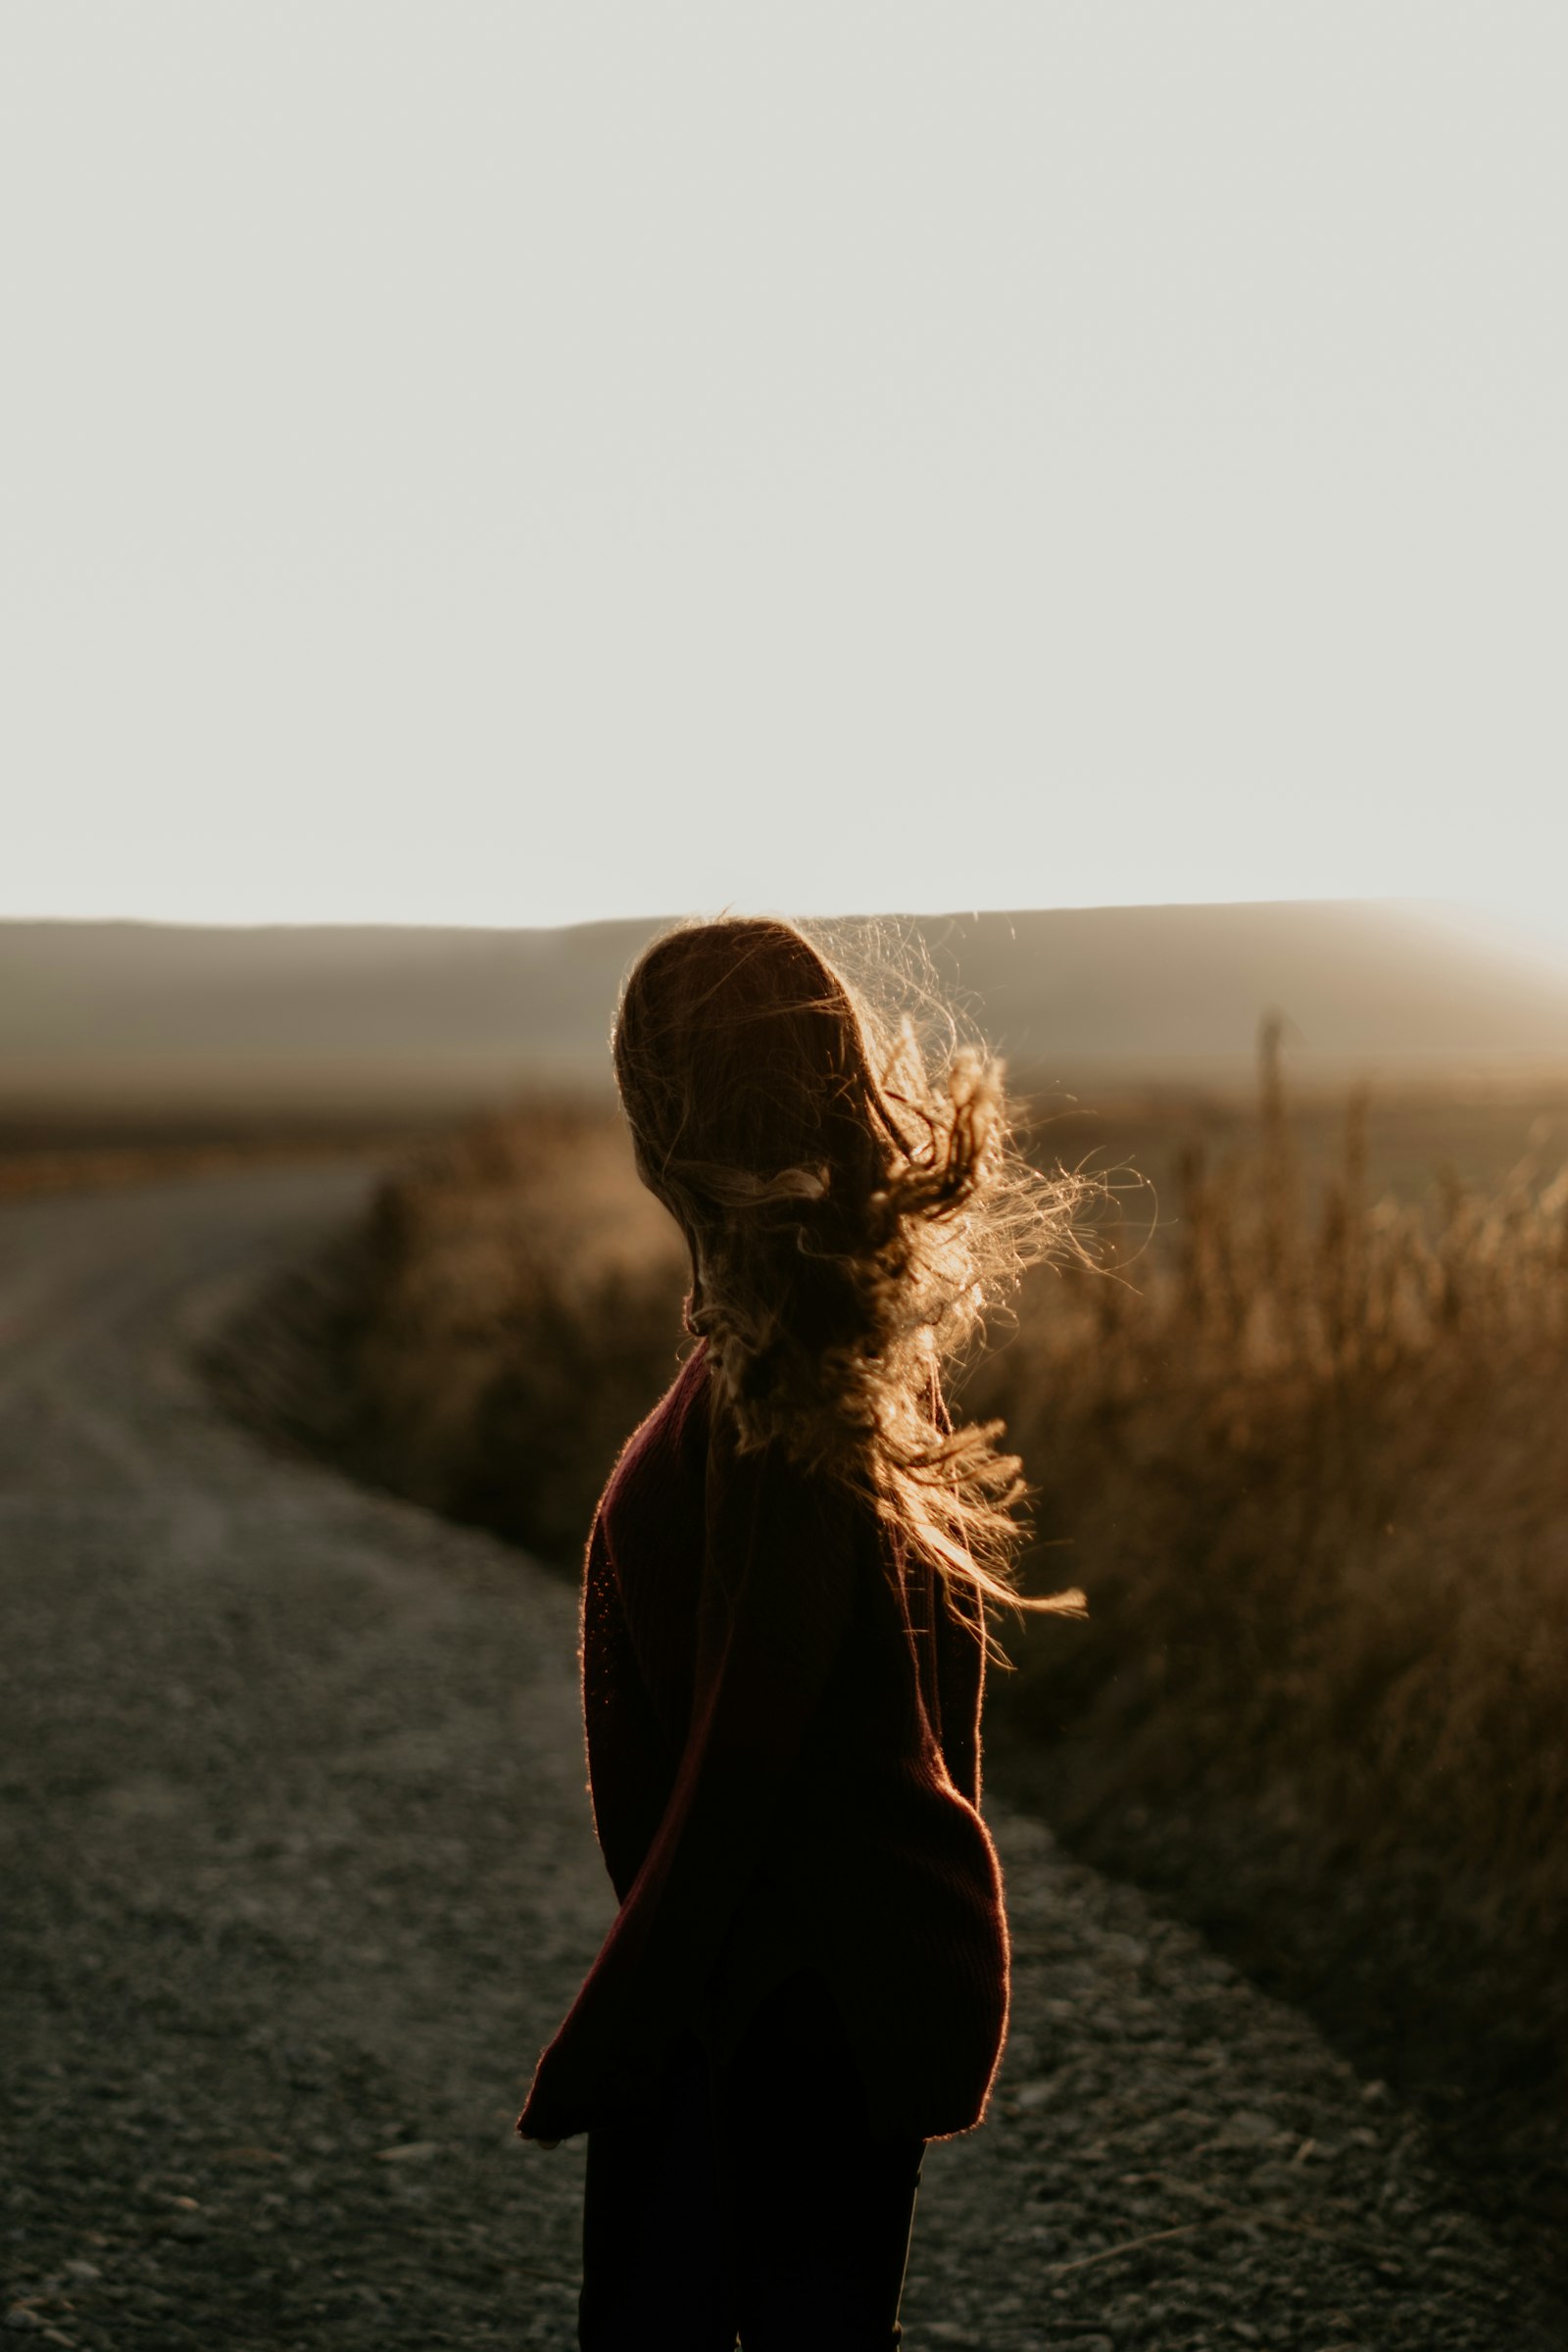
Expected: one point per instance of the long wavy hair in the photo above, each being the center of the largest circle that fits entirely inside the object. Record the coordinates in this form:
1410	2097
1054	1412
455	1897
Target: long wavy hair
851	1215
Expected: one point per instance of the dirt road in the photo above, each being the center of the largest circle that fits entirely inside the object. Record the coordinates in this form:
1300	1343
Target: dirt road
299	1874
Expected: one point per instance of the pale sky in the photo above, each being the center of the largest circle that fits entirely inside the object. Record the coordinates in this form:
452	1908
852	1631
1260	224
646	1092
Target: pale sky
527	463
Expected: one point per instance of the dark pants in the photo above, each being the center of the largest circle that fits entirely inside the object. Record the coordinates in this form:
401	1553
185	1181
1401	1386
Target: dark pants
750	2199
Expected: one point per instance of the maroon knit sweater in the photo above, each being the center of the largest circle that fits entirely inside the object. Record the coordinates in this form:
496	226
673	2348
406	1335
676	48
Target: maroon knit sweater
783	1724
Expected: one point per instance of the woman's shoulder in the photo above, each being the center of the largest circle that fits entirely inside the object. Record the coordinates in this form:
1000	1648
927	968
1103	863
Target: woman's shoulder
666	1448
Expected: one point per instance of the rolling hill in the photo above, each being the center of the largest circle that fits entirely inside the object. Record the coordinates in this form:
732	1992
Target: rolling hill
143	1014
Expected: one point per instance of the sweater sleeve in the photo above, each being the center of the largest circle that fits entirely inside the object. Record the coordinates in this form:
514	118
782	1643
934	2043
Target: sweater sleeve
774	1612
961	1679
631	1757
959	1653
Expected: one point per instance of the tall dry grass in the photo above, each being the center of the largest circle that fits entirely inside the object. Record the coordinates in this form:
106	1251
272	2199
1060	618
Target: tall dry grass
1305	1455
1301	1442
487	1337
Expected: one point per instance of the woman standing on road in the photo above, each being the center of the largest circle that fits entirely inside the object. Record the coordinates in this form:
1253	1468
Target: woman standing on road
783	1641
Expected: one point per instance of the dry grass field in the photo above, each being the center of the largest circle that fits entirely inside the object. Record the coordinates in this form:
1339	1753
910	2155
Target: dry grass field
1298	1434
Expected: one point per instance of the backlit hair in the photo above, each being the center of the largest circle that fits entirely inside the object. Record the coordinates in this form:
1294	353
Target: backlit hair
850	1215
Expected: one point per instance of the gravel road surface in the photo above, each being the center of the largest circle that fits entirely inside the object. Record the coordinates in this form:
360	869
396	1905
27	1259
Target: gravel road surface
299	1874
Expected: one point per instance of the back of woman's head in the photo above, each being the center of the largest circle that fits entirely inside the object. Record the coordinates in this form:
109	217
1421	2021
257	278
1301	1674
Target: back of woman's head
849	1215
740	1055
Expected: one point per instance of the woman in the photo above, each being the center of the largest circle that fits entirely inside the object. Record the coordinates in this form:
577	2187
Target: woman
783	1640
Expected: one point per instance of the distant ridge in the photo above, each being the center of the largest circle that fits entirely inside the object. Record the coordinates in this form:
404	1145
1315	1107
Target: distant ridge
145	1013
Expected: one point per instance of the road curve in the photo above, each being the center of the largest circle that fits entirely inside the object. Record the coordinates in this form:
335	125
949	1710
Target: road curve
300	1874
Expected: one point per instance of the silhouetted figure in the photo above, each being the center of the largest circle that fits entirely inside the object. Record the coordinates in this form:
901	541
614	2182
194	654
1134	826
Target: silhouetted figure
783	1653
